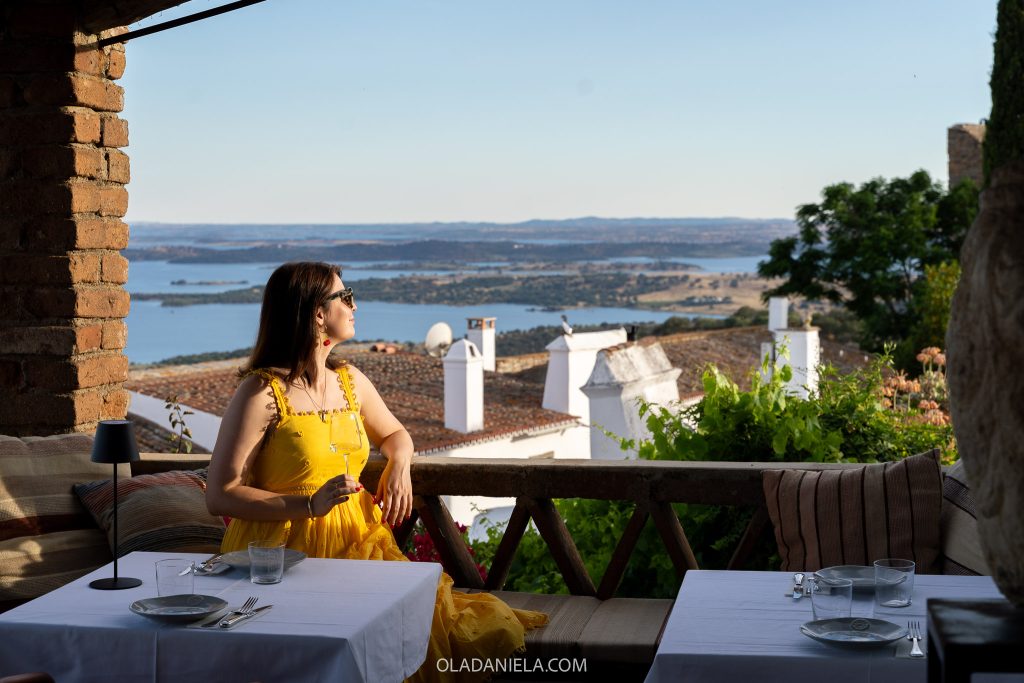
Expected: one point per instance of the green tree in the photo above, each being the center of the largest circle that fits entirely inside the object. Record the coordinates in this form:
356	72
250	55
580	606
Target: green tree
865	248
1004	135
933	297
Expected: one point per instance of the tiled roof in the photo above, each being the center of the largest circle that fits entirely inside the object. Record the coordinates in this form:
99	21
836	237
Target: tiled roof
412	386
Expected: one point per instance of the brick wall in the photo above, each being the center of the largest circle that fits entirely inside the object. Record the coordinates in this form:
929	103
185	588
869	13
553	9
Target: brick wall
963	144
62	198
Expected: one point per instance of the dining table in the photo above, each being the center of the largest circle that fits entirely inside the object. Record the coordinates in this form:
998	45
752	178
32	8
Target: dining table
745	626
331	620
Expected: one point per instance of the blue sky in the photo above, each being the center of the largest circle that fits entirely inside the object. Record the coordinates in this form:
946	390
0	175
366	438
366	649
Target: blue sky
317	111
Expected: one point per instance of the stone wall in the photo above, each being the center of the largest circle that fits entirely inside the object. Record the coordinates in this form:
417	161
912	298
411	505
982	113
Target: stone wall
62	197
963	144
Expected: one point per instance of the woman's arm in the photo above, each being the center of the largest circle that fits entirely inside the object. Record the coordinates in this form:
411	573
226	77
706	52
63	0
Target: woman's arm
248	417
394	491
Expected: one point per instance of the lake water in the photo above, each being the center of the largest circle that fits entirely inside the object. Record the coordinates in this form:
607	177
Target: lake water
156	332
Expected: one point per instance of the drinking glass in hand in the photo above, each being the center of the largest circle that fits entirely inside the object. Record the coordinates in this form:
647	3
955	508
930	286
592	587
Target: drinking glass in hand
894	582
346	434
830	598
266	561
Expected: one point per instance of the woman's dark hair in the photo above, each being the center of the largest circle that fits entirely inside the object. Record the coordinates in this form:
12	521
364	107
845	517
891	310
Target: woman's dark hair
288	334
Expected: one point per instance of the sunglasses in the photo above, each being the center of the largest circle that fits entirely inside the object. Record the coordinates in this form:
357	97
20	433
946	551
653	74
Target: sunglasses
346	295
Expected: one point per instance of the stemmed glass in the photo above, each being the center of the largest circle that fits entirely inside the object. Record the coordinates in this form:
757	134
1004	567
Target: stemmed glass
346	434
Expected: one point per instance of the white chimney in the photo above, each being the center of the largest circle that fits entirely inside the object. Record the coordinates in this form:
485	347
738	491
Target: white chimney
570	361
778	313
621	376
804	357
463	388
480	331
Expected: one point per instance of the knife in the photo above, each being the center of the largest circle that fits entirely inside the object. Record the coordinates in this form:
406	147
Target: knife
228	623
205	564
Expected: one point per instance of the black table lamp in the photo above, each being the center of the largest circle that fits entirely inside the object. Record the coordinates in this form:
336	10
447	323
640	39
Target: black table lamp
115	443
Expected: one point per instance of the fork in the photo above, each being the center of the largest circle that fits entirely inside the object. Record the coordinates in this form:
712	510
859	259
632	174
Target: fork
245	609
915	636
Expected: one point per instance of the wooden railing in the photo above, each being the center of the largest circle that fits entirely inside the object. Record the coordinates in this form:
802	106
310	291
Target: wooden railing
652	487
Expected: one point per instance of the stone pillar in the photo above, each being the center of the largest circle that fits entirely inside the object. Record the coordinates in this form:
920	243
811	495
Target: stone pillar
804	348
480	331
963	147
62	196
778	313
621	376
570	361
463	388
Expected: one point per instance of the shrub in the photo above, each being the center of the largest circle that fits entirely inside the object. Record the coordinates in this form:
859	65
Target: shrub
865	416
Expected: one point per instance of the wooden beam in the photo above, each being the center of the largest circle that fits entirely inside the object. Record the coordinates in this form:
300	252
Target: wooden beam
563	549
514	530
709	483
750	537
623	551
405	529
674	537
449	542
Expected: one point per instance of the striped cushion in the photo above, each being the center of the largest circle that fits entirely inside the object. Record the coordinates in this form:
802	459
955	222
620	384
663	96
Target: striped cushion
46	537
961	546
856	516
165	511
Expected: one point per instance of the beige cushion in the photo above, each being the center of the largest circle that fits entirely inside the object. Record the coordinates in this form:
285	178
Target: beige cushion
625	630
961	545
156	512
856	516
46	537
568	616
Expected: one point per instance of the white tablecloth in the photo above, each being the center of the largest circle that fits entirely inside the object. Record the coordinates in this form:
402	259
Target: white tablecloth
738	626
332	620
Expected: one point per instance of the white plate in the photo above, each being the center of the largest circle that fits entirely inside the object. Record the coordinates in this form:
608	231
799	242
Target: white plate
853	632
862	577
240	558
178	608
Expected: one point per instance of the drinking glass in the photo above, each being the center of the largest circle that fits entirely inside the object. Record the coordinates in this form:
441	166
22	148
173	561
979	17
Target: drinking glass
266	561
346	434
830	598
894	582
175	576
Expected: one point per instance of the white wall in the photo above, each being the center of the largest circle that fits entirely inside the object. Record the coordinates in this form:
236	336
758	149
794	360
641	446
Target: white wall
204	426
566	441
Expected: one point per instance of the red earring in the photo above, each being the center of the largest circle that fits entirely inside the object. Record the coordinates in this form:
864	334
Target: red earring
327	342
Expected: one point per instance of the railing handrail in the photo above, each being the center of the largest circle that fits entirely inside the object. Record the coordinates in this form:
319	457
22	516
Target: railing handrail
651	485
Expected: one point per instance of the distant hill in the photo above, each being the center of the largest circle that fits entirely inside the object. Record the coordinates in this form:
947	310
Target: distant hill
574	230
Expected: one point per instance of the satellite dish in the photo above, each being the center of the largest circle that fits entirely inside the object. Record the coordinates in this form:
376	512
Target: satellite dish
439	338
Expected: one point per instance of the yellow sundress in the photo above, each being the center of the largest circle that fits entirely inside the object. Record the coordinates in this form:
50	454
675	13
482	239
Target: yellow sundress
295	459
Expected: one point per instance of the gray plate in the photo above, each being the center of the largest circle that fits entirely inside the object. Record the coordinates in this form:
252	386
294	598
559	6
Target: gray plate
240	558
853	632
178	608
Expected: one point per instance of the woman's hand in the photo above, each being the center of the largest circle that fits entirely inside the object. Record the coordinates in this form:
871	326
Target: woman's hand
394	492
334	491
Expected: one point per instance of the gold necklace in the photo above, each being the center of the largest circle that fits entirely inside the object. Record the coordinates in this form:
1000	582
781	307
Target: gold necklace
320	407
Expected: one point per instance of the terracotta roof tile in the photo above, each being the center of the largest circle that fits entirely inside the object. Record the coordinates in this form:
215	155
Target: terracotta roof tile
412	385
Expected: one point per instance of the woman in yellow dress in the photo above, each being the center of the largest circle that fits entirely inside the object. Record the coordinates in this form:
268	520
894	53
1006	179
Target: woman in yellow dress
293	442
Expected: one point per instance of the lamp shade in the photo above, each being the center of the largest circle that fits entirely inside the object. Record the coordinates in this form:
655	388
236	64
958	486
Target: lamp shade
115	442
